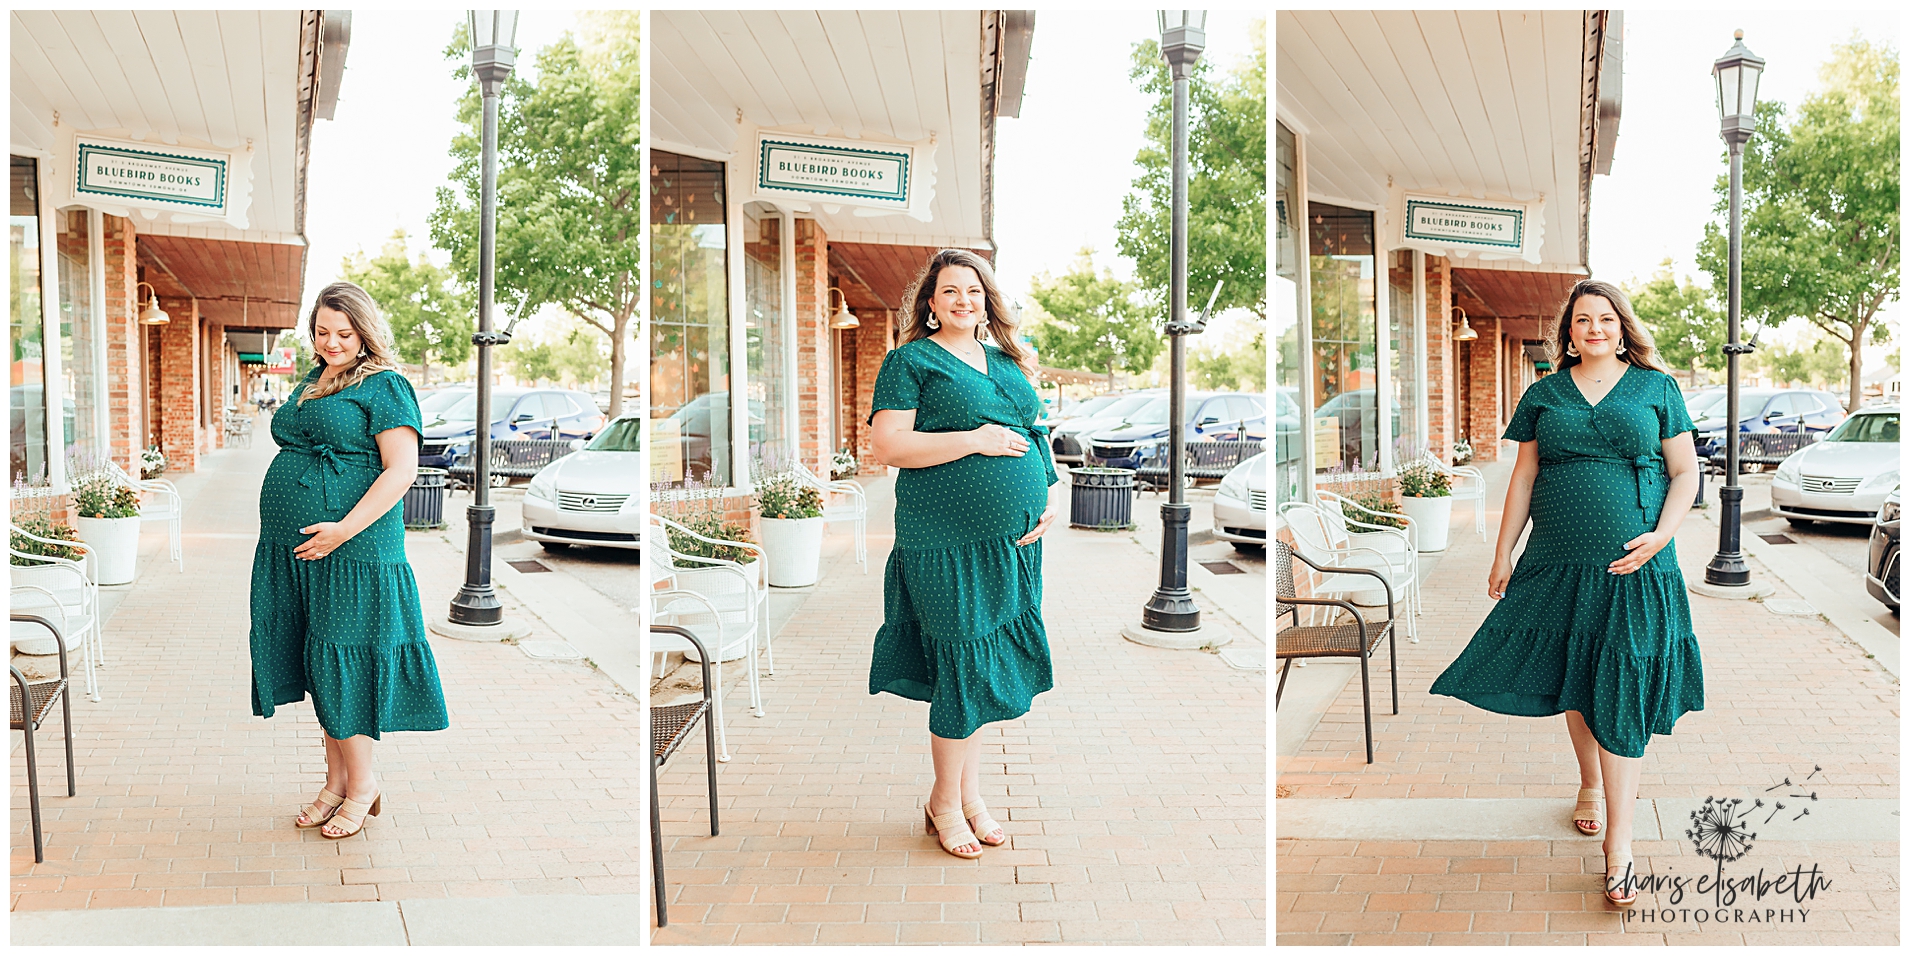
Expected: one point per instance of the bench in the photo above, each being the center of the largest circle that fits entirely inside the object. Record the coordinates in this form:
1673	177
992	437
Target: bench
1765	448
1205	461
512	458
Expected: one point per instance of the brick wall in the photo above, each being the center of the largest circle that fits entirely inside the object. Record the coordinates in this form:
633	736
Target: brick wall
176	385
1440	384
215	349
1488	367
124	404
814	395
871	346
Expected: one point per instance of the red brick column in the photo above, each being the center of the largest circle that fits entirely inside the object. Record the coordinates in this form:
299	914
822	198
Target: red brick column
126	427
1440	358
176	383
1488	367
814	396
872	346
216	388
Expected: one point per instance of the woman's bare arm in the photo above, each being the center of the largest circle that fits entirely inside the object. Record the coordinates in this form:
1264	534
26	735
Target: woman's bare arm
1681	463
1518	500
896	442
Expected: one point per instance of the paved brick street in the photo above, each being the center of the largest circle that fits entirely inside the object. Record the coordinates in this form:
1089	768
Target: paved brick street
185	798
1783	694
1133	794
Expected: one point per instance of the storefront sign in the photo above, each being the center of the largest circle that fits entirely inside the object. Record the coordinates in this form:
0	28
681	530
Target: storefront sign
1494	226
1458	226
140	174
279	362
836	171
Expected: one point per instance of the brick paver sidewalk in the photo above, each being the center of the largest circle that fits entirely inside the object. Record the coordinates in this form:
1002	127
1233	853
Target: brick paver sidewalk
1782	693
1133	794
185	798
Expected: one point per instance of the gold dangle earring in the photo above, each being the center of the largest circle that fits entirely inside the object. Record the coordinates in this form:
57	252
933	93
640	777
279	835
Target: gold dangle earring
933	323
1571	350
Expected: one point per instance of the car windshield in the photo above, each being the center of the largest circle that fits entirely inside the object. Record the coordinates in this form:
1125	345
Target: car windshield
1124	406
431	404
1702	402
1152	413
1092	406
465	408
622	435
1873	427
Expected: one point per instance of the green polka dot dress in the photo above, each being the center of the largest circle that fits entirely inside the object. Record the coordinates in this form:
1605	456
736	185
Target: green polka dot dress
345	628
1570	635
962	601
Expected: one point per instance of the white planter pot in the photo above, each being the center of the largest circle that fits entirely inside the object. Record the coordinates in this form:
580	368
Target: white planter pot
116	543
1432	518
794	548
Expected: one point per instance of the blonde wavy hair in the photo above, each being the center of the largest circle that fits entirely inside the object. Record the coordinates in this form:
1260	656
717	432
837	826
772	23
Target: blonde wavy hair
374	336
999	323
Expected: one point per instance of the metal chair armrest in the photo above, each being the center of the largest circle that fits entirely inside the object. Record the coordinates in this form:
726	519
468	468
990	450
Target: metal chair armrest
1384	581
28	617
79	545
702	651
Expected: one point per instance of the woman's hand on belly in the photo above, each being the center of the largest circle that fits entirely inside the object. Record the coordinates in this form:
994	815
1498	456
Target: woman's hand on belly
326	537
1642	548
1041	527
999	441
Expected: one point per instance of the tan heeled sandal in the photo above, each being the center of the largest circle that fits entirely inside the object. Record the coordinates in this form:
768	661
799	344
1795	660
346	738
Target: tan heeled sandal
1623	890
326	798
976	814
1589	814
951	830
362	811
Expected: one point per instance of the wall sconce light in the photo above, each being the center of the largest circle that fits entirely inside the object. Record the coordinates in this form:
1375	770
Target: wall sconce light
152	314
843	319
1464	332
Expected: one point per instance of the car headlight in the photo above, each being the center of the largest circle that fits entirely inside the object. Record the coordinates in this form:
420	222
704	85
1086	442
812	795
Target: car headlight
1234	486
1788	471
543	486
1886	480
1889	512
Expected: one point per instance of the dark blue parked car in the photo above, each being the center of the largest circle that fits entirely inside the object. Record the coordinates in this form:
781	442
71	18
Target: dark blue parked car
1764	410
515	413
1209	417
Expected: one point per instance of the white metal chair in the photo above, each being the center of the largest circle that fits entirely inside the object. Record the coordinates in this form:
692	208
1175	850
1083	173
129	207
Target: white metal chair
62	583
1326	537
726	600
31	599
162	503
1468	484
854	508
1369	528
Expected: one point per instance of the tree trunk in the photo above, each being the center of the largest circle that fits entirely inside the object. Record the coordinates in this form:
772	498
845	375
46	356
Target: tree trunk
620	324
1856	368
424	375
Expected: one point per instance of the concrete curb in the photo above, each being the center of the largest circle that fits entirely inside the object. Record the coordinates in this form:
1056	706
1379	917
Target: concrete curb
493	921
1526	818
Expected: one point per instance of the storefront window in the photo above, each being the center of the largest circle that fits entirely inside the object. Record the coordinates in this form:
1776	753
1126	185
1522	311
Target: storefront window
1288	456
764	332
689	323
1341	273
1406	340
26	420
79	350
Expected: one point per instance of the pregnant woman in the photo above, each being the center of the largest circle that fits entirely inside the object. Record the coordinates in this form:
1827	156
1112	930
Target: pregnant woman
334	605
962	596
1593	623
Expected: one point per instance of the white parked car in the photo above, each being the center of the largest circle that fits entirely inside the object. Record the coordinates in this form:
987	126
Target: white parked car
594	496
1844	478
1240	505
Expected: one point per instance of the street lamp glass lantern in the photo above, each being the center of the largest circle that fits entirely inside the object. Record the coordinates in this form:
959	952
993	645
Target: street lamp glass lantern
1736	73
1172	19
493	28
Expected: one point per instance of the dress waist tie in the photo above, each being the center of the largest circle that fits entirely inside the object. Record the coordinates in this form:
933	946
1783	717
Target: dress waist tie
328	462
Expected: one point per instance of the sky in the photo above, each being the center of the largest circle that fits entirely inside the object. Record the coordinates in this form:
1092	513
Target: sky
1079	104
378	165
1659	196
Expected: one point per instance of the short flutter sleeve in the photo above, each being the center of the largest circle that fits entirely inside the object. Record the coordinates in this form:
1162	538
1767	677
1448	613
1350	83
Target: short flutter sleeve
898	386
392	403
1525	419
1673	417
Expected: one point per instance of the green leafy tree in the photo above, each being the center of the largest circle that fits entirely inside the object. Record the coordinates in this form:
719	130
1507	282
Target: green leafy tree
1821	207
1818	362
1230	368
569	182
1226	182
430	317
1092	321
1687	326
571	355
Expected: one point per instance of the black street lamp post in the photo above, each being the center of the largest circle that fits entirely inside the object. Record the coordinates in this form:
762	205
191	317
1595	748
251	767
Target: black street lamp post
1736	74
493	56
1172	608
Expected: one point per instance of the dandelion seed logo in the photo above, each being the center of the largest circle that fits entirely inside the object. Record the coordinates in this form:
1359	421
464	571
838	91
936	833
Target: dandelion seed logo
1718	832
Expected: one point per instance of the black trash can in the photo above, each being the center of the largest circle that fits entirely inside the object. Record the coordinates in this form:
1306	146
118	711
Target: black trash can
1101	498
424	500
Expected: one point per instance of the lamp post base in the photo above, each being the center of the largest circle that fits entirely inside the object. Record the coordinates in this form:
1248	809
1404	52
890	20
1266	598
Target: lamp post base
1748	591
1199	638
505	629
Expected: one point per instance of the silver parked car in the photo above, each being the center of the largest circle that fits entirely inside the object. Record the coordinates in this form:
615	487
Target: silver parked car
1844	478
1240	505
594	496
1070	438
